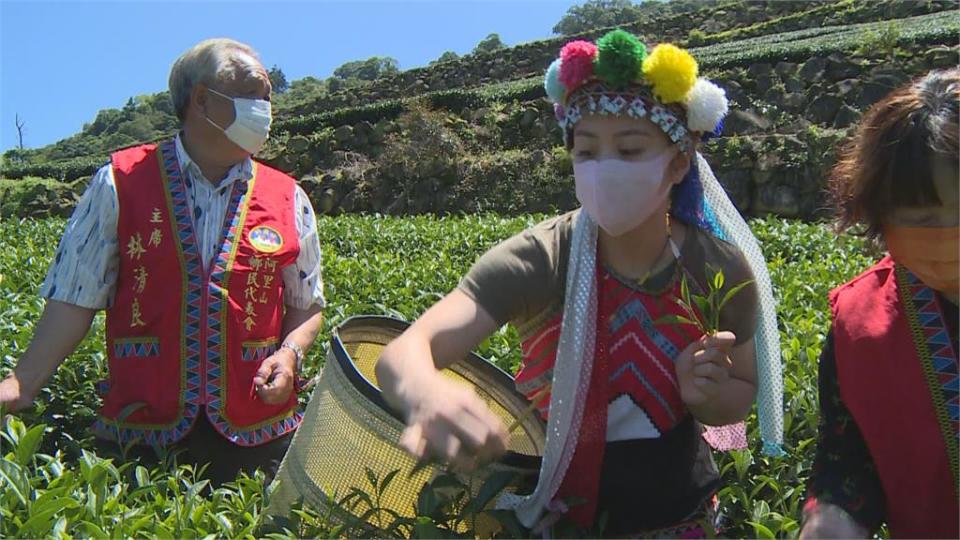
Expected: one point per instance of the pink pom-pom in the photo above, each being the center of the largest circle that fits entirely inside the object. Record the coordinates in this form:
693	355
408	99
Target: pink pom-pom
576	63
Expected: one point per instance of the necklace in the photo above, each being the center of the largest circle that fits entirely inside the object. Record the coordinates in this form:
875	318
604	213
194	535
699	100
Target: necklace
673	248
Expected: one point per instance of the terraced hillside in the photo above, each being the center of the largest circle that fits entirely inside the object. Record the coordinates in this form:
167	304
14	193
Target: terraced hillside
714	21
478	134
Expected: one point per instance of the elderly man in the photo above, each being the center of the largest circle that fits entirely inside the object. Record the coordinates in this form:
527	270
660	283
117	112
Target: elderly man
208	266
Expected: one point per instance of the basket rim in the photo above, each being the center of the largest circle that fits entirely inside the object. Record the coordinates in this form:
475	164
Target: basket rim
369	391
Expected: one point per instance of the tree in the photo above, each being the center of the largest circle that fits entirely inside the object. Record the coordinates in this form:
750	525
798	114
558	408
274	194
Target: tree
448	56
20	124
299	90
597	14
16	156
278	80
368	70
488	44
164	104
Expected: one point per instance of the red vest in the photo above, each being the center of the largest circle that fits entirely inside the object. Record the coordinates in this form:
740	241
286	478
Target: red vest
897	370
180	338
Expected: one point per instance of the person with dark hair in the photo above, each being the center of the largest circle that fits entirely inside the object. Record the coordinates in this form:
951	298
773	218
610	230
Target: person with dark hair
887	450
625	395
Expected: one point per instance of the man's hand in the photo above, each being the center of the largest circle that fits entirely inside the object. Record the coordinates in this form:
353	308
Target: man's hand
58	332
12	397
275	379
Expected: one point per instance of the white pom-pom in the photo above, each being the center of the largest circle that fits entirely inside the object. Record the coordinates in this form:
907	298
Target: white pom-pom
706	106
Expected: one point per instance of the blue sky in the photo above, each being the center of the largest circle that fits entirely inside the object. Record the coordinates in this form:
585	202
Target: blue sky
61	62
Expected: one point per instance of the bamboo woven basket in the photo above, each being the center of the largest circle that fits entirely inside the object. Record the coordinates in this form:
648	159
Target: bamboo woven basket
349	428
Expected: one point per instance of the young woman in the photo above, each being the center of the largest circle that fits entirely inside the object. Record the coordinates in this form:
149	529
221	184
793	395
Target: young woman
625	395
888	373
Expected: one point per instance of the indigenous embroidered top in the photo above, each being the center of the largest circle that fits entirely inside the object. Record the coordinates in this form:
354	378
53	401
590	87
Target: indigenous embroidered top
845	470
84	269
651	439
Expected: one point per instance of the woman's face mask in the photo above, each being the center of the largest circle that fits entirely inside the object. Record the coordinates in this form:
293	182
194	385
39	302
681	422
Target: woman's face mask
926	239
620	195
932	253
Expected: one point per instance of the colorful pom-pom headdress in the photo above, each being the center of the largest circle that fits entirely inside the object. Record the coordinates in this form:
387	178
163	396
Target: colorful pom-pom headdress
616	76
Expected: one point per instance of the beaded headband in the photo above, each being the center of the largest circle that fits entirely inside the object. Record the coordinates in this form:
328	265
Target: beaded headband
617	77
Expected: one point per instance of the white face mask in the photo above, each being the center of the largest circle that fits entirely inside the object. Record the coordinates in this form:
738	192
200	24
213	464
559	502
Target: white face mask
620	195
251	124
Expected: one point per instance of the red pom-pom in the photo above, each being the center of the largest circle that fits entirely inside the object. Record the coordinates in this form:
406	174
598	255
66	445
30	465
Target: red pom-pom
576	63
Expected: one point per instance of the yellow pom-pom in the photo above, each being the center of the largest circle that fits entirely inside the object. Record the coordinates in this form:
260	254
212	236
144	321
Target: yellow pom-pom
671	71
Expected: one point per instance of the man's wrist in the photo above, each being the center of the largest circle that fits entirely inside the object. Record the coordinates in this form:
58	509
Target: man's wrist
29	382
296	351
290	356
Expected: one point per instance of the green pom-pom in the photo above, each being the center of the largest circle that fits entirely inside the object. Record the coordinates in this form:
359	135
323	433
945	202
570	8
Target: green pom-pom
619	58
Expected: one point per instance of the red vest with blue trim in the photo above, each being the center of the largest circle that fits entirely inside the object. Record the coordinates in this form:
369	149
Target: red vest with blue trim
182	340
897	369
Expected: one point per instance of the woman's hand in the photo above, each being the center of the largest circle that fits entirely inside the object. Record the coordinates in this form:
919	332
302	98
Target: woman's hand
829	521
704	367
447	421
718	379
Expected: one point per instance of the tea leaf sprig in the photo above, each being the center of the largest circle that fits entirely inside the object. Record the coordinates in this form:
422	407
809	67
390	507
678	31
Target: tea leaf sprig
703	311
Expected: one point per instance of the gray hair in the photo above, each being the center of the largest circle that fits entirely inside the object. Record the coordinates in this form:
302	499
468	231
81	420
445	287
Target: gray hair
218	59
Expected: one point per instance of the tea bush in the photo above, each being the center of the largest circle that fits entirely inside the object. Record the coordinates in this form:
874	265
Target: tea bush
53	484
